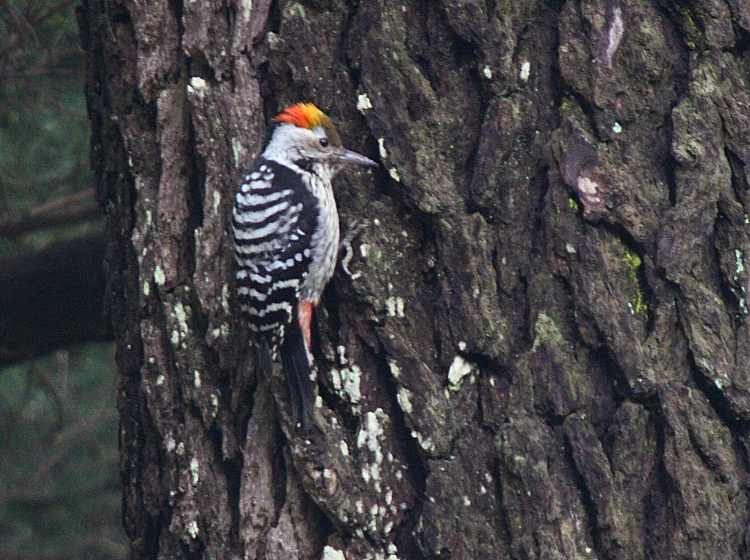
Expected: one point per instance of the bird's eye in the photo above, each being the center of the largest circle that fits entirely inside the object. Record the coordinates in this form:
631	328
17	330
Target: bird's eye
323	142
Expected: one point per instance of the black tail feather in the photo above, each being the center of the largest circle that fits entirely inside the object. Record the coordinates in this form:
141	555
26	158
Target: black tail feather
298	371
263	354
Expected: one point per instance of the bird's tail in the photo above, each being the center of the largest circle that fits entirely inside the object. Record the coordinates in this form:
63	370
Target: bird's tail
298	369
264	356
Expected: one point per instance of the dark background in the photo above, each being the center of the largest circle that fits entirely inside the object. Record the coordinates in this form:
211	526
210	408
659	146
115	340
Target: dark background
60	494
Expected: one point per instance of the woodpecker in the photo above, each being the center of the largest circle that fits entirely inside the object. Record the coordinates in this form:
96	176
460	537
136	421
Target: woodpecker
286	234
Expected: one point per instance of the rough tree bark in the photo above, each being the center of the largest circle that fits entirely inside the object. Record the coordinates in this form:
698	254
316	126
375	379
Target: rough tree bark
542	348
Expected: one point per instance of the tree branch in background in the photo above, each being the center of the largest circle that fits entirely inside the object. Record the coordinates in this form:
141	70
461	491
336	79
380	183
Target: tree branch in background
52	299
63	211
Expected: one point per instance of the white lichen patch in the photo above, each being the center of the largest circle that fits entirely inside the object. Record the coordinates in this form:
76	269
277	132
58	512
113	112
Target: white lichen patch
350	381
197	86
194	470
336	379
363	103
487	71
719	383
216	201
344	448
159	379
369	438
395	306
403	396
617	128
330	553
180	449
146	288
238	151
347	379
370	432
225	298
247	7
393	172
739	263
459	369
181	314
395	370
364	250
192	529
462	346
159	277
197	379
424	443
525	72
170	444
381	148
341	350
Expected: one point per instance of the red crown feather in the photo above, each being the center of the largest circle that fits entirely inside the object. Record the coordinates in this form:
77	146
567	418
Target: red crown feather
304	115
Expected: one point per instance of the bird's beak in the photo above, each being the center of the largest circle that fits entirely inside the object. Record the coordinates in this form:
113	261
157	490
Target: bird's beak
353	157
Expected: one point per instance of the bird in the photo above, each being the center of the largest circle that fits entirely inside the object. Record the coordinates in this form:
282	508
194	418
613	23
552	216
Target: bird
285	226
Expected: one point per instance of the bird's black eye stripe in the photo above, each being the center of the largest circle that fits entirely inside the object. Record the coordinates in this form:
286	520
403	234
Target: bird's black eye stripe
323	142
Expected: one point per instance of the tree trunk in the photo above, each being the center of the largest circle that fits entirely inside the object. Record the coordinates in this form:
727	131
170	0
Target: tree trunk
541	347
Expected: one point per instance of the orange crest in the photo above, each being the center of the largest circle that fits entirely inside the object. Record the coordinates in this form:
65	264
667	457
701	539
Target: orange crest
304	115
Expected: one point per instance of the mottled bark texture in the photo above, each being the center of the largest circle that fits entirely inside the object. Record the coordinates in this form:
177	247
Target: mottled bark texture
541	350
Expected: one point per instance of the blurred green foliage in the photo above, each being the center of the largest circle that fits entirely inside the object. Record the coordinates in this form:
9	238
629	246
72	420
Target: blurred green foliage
59	486
44	134
60	493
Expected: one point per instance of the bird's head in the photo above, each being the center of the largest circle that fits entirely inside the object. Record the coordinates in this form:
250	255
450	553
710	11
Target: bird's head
306	137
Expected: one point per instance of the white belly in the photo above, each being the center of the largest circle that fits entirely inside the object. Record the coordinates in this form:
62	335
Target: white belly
324	244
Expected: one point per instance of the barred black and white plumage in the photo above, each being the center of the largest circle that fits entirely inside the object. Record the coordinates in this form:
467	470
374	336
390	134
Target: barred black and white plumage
286	232
275	217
